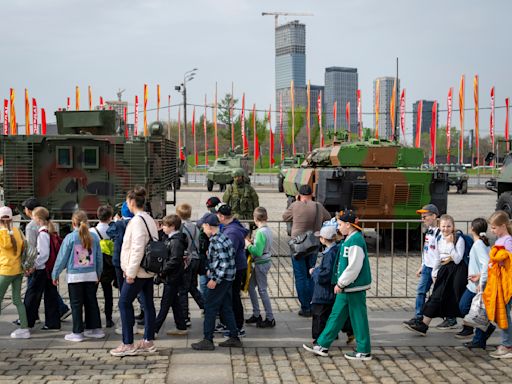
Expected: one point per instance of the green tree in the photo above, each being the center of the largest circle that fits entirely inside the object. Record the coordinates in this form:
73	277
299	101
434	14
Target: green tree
223	116
300	117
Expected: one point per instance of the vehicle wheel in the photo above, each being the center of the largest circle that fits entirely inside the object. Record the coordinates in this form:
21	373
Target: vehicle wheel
505	203
464	187
280	185
222	187
209	185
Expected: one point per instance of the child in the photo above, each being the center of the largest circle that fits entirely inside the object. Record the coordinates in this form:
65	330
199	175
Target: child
477	278
11	272
108	275
176	243
80	254
204	243
499	275
352	279
450	278
40	281
261	252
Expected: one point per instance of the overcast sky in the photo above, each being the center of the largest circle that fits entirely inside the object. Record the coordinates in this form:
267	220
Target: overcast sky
52	45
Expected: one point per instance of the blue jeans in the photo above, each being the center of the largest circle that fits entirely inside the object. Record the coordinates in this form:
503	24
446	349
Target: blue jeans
506	334
424	285
465	302
219	299
203	280
304	284
128	293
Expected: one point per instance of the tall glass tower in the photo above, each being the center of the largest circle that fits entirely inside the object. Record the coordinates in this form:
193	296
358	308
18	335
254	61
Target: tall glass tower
340	87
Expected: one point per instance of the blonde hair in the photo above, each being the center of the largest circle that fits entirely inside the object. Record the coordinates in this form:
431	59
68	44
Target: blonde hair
446	217
79	220
44	215
184	211
499	218
8	225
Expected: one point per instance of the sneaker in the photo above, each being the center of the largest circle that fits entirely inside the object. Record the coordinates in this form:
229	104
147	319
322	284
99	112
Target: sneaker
203	345
220	328
76	337
177	332
316	349
232	342
447	323
145	346
266	323
420	328
502	352
96	333
48	329
413	321
241	333
358	356
305	313
464	333
65	315
109	323
188	323
124	350
253	320
473	345
16	322
118	330
21	333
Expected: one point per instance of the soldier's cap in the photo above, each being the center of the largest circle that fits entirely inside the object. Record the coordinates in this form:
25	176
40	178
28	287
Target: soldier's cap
31	203
429	208
210	219
212	202
305	190
238	172
224	209
349	216
328	232
5	213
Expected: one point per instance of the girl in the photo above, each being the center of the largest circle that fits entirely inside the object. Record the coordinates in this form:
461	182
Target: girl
501	227
11	273
41	281
80	254
450	277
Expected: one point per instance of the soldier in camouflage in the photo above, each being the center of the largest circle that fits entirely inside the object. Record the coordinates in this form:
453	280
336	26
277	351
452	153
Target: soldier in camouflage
241	196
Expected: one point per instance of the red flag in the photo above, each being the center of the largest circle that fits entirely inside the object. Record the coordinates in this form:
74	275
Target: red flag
205	127
419	118
34	117
68	104
449	126
182	155
215	140
461	116
102	106
145	110
136	116
506	124
12	113
491	126
43	121
281	135
308	116
125	116
245	141
6	117
255	136
359	116
27	113
334	114
347	116
196	157
477	119
402	114
319	116
292	98
89	91
272	161
433	136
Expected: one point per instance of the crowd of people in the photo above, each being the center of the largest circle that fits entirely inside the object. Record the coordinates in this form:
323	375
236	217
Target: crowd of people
216	258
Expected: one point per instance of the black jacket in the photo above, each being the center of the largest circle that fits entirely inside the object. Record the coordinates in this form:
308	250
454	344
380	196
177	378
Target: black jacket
177	244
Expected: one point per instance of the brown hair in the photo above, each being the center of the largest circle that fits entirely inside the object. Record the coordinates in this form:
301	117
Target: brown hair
260	214
184	211
139	195
44	215
105	212
172	221
500	218
79	220
8	225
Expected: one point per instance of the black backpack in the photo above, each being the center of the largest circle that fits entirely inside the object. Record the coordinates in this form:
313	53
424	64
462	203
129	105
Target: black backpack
155	254
204	243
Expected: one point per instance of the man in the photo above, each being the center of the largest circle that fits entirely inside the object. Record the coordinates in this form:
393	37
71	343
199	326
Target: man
221	273
305	215
241	196
235	232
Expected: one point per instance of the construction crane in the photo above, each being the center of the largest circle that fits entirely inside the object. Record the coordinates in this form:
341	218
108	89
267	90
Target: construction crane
277	14
120	93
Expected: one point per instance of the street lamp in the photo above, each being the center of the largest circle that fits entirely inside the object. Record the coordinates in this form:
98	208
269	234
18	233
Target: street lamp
187	76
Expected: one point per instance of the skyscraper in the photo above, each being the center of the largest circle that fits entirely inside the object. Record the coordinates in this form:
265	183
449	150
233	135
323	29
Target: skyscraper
386	91
341	87
426	117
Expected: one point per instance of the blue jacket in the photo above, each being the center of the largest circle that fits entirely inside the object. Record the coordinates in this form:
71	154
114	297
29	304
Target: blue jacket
76	259
116	231
236	232
323	292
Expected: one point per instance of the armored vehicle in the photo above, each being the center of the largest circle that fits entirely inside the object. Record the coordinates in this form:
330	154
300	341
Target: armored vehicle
457	176
87	164
286	164
502	185
221	171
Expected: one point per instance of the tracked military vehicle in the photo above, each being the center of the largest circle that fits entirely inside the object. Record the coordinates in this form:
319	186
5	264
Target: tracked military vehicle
286	164
87	164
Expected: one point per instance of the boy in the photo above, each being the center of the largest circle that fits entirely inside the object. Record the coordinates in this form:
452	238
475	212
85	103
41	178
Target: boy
221	273
261	252
352	279
176	243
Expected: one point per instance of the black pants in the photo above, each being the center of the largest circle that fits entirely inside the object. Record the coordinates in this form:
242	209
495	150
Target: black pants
38	285
190	285
170	300
82	298
321	313
238	308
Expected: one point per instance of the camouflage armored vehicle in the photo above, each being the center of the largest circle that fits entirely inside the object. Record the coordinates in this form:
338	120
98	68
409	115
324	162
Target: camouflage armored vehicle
457	176
380	179
221	171
88	163
502	185
286	164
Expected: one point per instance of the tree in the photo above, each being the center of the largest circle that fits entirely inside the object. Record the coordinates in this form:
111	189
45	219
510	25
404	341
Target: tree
225	118
300	114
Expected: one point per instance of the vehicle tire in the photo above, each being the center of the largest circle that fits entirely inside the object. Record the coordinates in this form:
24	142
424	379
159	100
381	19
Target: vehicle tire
222	187
280	185
209	185
505	203
464	187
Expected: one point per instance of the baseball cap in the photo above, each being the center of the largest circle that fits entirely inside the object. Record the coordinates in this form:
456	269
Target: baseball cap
210	219
349	216
305	190
327	232
212	202
31	203
5	212
429	208
224	209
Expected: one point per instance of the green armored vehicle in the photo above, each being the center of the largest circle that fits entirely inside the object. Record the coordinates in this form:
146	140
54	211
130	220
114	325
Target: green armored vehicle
286	164
502	184
457	176
221	171
87	164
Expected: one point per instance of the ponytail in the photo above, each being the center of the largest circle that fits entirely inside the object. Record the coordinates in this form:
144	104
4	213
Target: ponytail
44	215
8	225
79	220
479	227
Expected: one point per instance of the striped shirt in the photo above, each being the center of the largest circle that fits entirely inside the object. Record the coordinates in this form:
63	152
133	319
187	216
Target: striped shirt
221	258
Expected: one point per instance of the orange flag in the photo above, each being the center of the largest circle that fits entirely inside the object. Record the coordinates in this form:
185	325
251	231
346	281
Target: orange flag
292	98
77	98
205	126
255	136
89	92
27	113
135	117
308	116
419	118
6	117
158	102
145	109
392	109
377	102
12	113
461	116
216	141
477	119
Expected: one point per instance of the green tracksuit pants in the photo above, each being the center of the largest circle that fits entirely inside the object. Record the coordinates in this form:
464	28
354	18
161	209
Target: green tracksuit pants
347	305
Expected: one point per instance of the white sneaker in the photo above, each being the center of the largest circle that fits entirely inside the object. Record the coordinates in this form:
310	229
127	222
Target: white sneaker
118	330
136	330
76	337
21	333
96	333
316	349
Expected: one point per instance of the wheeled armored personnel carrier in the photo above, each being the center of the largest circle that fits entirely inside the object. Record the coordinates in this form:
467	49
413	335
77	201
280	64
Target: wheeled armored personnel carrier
222	170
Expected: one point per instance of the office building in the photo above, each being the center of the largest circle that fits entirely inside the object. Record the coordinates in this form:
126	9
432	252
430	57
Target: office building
385	94
341	87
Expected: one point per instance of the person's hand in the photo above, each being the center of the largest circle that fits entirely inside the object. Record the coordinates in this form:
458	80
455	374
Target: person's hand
130	280
450	238
474	278
56	282
311	271
478	288
247	242
211	284
446	260
337	289
418	272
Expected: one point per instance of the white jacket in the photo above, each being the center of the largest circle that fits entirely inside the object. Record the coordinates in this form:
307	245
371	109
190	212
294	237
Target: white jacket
134	242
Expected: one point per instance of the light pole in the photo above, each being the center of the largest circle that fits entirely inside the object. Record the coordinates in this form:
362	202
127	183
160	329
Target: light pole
187	76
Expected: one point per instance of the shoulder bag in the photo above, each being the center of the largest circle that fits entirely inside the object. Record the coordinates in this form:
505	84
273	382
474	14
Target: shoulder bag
305	243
